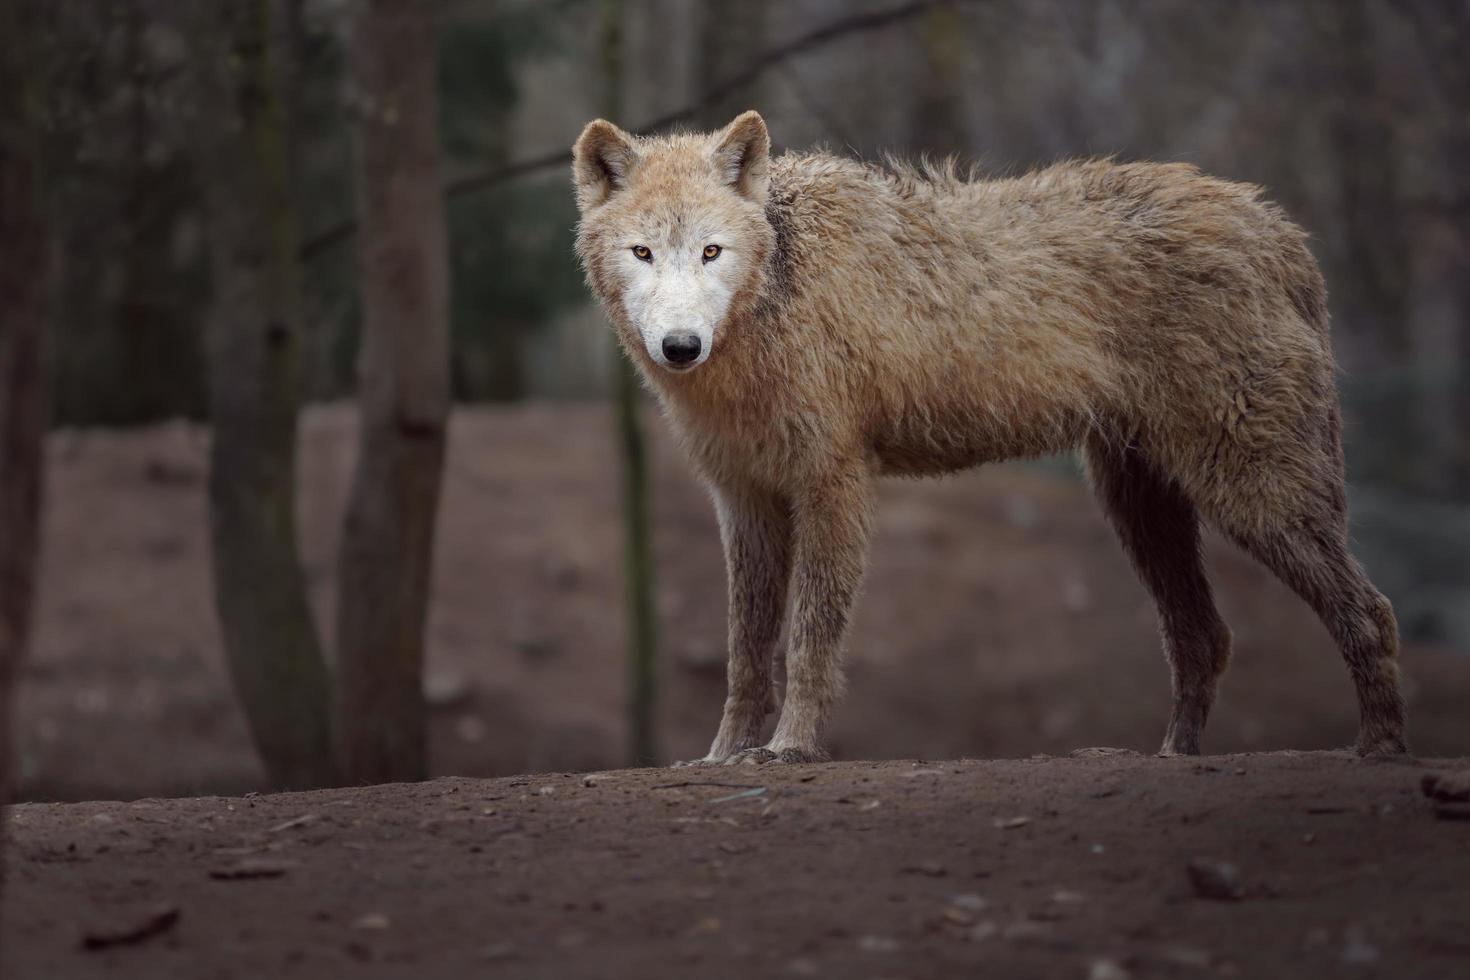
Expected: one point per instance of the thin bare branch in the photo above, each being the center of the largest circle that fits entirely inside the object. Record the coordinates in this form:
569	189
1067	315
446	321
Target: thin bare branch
816	38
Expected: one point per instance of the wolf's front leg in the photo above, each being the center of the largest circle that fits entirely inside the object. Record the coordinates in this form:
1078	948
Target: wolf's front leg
831	523
756	531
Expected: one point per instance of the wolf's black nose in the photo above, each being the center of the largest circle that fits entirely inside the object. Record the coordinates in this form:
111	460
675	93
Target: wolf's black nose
681	348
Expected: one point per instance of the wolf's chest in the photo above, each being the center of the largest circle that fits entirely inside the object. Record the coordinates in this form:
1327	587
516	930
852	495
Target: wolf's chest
746	443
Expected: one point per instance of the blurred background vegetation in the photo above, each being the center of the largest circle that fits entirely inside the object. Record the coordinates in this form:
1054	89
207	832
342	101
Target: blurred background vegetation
1353	113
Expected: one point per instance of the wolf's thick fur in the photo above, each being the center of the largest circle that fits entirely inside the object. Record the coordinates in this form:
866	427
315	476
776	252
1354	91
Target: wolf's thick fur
873	321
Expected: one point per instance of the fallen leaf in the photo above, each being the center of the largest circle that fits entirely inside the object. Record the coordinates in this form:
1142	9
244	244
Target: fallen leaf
1446	787
249	868
292	824
152	923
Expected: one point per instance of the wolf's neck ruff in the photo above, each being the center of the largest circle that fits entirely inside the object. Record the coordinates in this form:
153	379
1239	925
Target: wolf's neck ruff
777	284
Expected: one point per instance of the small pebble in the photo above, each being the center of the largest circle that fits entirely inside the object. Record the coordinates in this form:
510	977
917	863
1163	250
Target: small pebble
1218	880
878	944
1356	949
1107	970
372	922
497	951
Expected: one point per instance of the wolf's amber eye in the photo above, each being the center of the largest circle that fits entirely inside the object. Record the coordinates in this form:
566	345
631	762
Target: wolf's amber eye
712	252
643	253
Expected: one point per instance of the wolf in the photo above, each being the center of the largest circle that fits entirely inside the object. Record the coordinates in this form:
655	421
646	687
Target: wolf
810	323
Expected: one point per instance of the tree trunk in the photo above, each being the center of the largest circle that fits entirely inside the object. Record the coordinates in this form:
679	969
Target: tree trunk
254	366
638	607
388	535
23	310
642	624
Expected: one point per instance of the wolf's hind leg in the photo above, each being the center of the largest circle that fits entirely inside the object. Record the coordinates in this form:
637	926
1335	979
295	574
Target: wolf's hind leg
756	531
1314	561
1159	529
832	521
1287	506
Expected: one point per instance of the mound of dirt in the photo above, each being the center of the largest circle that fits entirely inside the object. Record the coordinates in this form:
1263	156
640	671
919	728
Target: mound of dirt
1000	618
1103	865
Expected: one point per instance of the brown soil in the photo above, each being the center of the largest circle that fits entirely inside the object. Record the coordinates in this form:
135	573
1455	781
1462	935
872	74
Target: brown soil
1001	619
1055	867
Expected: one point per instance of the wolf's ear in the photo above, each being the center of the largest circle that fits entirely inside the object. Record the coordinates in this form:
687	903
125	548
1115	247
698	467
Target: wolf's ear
601	161
742	156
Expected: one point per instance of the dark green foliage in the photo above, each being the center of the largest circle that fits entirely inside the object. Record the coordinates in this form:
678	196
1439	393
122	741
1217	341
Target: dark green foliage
512	269
478	60
510	246
133	276
323	158
135	283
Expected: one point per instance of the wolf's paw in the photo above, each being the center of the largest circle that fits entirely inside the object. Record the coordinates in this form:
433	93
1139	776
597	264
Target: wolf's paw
765	754
1381	745
718	755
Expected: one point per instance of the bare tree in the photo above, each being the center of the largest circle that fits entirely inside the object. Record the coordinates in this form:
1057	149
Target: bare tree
254	352
638	606
387	544
23	313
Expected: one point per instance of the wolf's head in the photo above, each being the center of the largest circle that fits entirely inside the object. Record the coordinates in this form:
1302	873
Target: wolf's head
673	232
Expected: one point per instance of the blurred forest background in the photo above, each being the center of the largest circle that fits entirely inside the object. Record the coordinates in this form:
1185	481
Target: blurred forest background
1354	114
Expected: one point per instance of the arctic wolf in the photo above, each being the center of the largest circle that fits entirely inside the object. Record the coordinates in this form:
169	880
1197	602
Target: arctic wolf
811	323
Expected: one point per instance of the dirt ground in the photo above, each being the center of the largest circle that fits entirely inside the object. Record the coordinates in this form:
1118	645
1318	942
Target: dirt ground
1047	867
1000	619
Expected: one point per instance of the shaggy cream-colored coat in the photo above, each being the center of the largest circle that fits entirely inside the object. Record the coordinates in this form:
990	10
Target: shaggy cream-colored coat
892	320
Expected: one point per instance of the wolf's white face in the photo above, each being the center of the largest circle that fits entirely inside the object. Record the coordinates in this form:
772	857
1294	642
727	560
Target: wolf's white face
673	232
677	286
